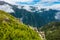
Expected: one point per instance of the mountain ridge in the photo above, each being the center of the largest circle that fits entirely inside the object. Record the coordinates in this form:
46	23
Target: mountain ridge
12	29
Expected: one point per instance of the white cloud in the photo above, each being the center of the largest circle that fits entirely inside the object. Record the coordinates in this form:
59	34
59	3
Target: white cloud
56	6
38	7
26	7
14	1
50	0
19	0
25	0
6	8
40	4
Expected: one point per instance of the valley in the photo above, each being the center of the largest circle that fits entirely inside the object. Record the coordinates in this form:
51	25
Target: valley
24	22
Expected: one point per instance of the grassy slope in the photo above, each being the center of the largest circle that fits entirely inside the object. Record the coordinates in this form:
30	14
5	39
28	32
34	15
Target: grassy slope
52	31
12	29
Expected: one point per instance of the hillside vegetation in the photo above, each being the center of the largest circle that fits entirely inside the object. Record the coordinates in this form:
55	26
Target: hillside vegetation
12	29
52	31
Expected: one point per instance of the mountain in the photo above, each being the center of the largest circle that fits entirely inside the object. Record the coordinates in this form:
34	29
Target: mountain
52	30
35	19
31	15
12	29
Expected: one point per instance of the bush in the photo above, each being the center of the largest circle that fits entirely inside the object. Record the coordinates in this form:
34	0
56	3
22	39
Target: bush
11	29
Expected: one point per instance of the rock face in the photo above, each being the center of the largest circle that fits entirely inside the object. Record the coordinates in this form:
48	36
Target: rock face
12	29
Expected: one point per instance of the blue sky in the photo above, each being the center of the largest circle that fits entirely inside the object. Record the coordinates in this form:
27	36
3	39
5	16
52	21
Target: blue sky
40	3
29	3
33	2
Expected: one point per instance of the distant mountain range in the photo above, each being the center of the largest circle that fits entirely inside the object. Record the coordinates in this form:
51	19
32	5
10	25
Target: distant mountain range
30	15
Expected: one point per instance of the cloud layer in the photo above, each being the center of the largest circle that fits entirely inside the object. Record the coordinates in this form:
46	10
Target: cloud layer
49	4
43	2
40	3
16	1
6	8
